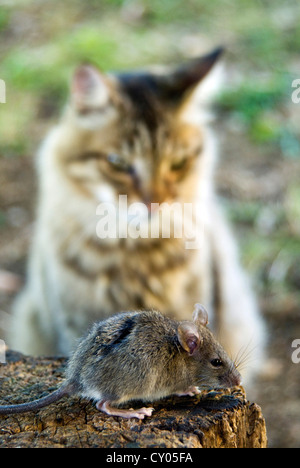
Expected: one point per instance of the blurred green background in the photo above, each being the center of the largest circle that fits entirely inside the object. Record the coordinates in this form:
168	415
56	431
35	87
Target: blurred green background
41	42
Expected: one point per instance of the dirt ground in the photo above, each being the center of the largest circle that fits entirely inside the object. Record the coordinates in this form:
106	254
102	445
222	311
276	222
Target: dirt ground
250	177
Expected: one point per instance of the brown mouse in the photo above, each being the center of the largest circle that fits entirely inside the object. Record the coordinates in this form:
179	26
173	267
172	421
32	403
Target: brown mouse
142	356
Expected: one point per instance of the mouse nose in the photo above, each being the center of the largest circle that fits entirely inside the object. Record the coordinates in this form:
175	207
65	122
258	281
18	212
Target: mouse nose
237	379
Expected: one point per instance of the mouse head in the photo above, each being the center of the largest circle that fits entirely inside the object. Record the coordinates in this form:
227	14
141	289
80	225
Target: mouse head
208	360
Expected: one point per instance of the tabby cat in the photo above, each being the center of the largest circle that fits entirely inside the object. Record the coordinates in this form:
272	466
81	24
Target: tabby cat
143	135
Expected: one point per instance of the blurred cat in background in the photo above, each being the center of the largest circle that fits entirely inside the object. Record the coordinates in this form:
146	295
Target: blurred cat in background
143	135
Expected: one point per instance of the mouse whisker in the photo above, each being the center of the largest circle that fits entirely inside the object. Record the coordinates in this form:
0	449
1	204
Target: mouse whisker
239	355
247	358
243	354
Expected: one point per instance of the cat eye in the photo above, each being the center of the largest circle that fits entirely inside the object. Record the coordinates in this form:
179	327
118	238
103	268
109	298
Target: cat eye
118	163
179	165
216	363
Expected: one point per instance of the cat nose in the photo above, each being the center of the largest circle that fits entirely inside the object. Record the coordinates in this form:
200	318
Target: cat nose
152	206
150	200
154	198
148	205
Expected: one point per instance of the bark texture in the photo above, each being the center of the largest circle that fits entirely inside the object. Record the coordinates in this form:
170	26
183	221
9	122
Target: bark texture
212	420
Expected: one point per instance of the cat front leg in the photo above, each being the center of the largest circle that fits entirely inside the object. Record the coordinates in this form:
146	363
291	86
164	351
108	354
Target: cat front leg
27	333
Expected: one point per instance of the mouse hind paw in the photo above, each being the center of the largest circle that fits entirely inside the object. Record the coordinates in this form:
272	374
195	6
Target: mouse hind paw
140	413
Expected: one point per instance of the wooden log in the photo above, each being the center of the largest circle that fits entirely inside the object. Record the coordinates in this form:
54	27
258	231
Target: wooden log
210	420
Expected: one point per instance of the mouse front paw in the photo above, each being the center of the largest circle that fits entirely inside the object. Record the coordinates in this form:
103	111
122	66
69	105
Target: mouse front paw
191	391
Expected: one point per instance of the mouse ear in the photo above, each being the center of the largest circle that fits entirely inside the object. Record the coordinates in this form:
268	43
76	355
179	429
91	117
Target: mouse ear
200	315
188	337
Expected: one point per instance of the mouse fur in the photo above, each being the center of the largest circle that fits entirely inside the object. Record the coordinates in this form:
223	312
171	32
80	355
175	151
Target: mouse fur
143	356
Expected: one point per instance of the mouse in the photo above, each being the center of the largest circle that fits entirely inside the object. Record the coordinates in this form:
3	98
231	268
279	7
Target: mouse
142	355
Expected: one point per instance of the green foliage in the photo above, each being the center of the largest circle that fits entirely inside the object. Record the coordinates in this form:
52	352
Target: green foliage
250	99
57	36
257	105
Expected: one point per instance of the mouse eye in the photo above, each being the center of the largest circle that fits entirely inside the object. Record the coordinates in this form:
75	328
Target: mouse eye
216	363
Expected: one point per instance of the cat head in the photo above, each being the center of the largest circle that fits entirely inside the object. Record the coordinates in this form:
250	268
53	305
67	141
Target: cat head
136	134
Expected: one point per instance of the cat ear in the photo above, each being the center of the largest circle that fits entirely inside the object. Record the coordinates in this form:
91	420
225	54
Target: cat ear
200	315
188	337
187	77
89	88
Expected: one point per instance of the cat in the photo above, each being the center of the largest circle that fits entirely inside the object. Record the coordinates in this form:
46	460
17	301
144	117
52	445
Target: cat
143	135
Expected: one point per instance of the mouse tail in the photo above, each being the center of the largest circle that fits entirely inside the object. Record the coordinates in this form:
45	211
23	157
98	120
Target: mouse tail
62	391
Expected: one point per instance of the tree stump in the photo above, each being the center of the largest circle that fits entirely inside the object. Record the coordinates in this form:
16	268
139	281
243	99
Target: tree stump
210	420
